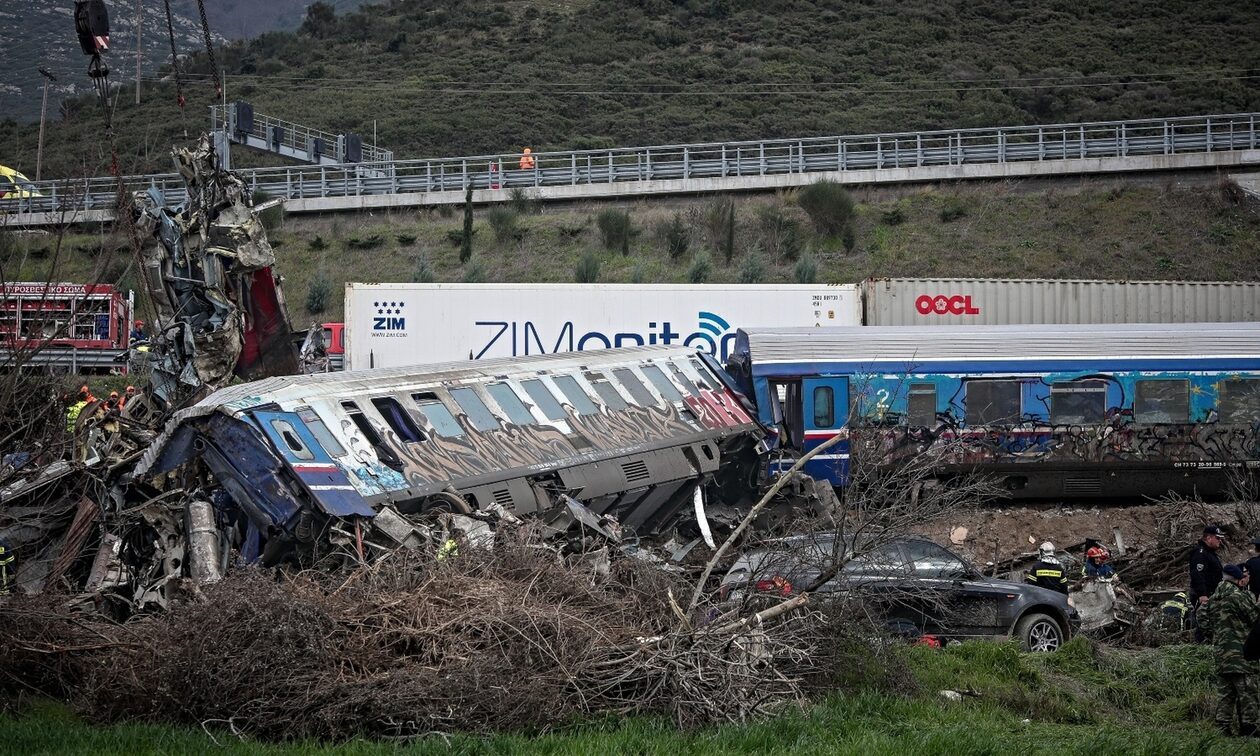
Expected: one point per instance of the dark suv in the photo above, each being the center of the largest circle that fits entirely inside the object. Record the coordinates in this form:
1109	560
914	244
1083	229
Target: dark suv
912	585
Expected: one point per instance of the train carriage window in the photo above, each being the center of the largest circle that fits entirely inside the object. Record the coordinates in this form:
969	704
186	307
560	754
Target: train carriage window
478	413
510	403
824	407
706	379
921	408
383	452
1240	401
663	384
631	383
992	402
684	380
443	422
1078	402
543	397
320	432
1162	401
578	398
398	419
291	439
606	391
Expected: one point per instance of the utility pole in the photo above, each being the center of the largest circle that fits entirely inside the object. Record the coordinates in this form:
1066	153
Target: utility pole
43	114
139	21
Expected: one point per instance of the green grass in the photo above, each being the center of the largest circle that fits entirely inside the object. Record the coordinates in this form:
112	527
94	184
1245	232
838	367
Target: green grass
1084	699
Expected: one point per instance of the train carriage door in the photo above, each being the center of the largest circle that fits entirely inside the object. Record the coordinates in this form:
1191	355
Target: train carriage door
826	411
313	466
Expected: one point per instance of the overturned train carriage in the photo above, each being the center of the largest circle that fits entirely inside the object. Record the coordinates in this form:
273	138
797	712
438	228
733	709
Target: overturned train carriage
643	435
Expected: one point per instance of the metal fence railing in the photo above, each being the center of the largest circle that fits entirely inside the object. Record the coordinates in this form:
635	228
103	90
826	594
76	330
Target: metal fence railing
1015	144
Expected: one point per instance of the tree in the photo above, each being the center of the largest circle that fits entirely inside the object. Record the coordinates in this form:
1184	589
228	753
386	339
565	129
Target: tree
465	243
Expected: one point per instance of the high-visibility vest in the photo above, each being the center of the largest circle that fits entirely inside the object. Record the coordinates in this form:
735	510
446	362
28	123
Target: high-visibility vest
72	414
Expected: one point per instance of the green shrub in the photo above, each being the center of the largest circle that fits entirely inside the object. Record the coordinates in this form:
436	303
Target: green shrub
894	216
849	238
615	229
572	231
424	271
317	294
828	205
953	209
701	267
638	274
456	237
677	236
753	270
587	268
371	241
522	201
446	211
475	273
503	222
781	233
318	244
406	239
806	270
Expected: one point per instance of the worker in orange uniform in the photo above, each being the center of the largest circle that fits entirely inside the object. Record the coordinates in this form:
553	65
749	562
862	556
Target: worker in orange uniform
527	159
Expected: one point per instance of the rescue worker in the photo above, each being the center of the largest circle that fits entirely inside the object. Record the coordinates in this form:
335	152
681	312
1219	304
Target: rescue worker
137	331
527	159
1253	567
1226	620
127	396
114	402
1048	571
1096	566
1205	571
1172	613
7	567
81	400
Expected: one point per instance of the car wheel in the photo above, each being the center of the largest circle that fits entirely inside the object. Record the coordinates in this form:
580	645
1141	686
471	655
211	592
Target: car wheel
1039	632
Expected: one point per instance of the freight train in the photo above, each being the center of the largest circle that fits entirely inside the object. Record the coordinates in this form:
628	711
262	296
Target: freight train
1050	411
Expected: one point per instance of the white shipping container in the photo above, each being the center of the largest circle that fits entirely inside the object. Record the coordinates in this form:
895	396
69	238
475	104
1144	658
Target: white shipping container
980	301
390	325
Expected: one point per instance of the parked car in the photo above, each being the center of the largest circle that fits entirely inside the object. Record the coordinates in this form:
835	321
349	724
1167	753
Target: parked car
913	585
14	185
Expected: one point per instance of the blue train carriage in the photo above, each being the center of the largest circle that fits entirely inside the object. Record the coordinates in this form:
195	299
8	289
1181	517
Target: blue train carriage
1052	410
633	433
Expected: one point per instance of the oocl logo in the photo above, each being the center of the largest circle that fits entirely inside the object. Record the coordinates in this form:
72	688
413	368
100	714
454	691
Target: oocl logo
958	304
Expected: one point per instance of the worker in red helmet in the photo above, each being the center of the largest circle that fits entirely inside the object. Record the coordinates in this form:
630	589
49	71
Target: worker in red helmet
127	396
137	331
1096	563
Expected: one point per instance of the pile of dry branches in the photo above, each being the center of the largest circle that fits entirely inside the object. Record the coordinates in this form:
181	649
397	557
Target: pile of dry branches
516	637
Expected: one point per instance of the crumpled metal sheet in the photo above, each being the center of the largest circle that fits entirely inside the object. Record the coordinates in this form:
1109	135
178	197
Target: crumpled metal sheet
220	312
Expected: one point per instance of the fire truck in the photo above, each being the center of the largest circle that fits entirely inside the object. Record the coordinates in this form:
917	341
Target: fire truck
80	328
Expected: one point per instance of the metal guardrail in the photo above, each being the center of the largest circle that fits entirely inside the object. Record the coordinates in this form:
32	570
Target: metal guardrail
958	147
287	138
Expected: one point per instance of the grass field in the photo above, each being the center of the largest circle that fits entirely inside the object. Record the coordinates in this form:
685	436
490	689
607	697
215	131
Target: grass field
1099	229
1082	700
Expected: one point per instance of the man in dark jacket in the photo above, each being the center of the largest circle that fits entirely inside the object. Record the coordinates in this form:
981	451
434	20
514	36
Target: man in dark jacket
1048	571
1205	571
1226	620
1253	567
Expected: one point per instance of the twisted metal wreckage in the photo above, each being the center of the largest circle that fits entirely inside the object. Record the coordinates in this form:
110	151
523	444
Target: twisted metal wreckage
198	475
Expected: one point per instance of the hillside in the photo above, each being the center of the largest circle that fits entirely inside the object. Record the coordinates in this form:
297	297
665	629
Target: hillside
1103	229
485	76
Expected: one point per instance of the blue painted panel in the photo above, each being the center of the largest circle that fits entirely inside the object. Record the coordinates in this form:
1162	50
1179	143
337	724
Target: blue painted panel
319	473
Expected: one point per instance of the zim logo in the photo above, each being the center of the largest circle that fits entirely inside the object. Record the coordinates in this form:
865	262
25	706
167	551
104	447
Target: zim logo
389	317
943	305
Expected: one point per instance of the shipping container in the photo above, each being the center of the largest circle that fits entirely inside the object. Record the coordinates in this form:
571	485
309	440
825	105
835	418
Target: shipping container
980	301
392	325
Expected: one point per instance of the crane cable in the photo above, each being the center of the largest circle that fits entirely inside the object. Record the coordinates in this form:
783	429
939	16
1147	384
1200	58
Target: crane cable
179	84
205	32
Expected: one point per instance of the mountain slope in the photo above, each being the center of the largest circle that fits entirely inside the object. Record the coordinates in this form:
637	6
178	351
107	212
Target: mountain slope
485	76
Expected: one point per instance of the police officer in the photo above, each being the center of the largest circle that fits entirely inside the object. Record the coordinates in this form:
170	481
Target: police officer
1253	567
1205	571
1048	571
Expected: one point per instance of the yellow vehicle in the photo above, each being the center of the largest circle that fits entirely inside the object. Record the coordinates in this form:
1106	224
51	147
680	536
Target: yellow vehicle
14	185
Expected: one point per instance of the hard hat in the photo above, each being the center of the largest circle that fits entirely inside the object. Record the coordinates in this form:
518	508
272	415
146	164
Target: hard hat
139	323
1180	596
113	395
131	390
1097	552
1046	548
84	391
526	150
